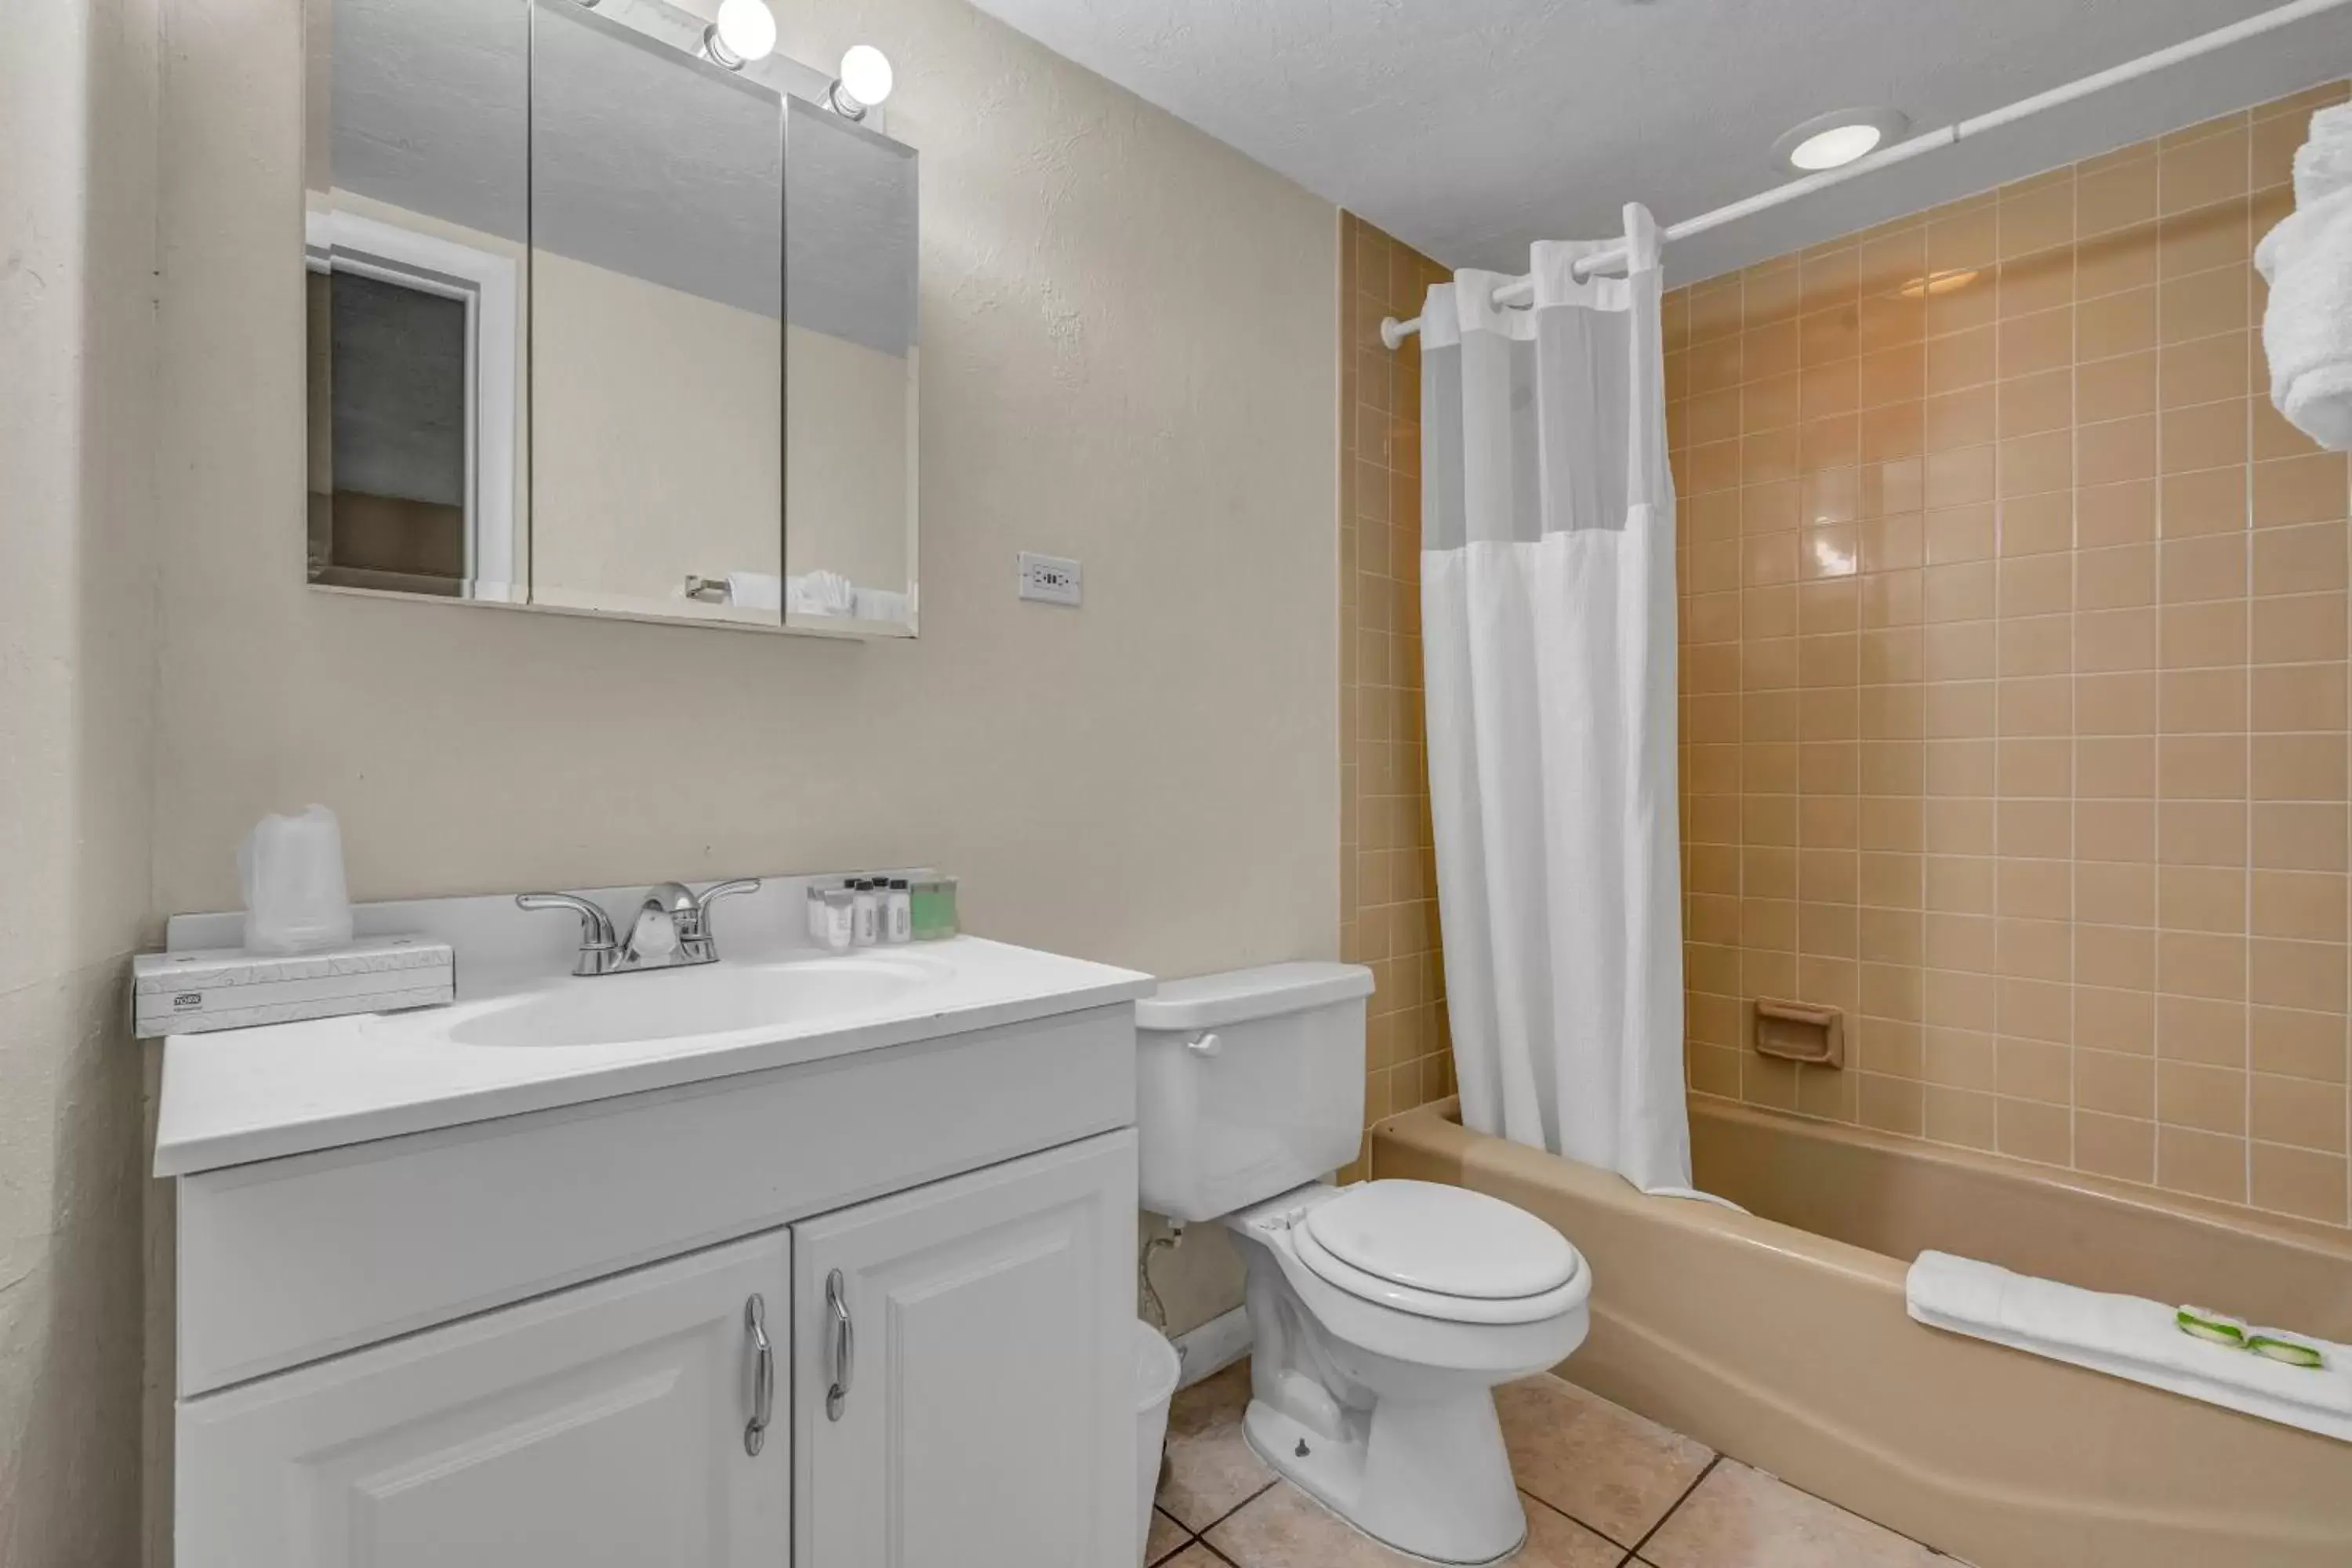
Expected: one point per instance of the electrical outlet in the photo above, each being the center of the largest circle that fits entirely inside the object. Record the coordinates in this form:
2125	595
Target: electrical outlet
1051	579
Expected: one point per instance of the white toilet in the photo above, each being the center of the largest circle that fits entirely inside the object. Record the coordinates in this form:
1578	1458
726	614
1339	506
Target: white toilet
1382	1315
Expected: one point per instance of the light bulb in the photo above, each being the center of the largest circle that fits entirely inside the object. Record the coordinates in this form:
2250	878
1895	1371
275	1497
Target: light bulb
1833	148
866	74
746	29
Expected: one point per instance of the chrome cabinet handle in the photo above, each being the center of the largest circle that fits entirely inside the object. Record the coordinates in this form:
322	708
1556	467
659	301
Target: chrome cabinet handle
764	1377
844	1346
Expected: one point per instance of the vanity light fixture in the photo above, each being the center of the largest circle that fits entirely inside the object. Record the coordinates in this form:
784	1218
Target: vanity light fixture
865	81
745	31
1833	140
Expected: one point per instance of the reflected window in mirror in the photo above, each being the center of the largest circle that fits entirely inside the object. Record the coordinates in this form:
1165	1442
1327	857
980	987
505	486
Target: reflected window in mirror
416	216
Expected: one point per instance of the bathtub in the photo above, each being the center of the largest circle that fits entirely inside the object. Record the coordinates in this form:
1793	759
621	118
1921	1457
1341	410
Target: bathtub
1782	1341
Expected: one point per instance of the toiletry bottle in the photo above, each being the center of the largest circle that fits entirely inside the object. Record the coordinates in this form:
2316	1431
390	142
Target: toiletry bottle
935	910
868	912
816	914
840	919
901	924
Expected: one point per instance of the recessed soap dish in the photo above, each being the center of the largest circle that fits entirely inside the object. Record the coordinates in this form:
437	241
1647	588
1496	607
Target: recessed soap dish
1800	1032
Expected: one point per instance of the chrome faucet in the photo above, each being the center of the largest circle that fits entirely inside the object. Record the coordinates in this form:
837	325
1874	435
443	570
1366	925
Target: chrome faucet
671	929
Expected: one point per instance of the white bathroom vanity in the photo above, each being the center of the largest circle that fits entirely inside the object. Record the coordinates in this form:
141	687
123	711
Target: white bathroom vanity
790	1258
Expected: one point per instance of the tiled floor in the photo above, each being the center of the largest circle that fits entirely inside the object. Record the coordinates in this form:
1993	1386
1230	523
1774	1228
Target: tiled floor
1604	1489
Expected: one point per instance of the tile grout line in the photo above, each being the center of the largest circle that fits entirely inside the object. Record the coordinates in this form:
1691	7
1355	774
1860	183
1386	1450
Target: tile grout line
1550	1507
2074	671
1201	1536
2246	692
1696	1481
2159	537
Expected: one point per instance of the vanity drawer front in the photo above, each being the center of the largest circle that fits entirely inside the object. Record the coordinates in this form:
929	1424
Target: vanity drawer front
286	1261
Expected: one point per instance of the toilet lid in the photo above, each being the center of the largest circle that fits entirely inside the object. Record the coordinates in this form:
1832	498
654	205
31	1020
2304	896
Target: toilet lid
1446	1241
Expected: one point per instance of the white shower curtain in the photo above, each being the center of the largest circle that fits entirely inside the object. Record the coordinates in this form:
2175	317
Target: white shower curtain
1547	623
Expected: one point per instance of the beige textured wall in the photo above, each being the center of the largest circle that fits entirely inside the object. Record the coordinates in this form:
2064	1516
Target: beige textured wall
77	340
848	497
2014	663
1128	356
1388	866
1144	384
648	410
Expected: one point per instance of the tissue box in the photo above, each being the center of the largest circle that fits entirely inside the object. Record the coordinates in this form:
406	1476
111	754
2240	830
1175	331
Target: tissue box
228	988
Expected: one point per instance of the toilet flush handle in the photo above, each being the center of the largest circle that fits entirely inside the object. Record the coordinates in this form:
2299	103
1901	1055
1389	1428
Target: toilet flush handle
1207	1044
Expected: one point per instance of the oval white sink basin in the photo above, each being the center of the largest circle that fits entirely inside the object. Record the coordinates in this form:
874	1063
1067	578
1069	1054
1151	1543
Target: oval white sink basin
680	1004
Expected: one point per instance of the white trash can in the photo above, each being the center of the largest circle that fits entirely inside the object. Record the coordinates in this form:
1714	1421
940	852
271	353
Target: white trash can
1157	1368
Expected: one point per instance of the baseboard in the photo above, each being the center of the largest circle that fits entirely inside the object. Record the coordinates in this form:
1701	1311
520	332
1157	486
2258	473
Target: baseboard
1214	1346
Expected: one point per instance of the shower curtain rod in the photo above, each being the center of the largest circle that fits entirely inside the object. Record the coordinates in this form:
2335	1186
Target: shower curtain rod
1393	332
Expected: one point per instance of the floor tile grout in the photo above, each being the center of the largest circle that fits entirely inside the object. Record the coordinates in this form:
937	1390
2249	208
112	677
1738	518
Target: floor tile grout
1243	1551
1698	1481
1550	1507
1204	1531
1200	1537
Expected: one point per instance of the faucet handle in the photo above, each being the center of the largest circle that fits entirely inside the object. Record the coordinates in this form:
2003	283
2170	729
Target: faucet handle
713	894
597	940
727	890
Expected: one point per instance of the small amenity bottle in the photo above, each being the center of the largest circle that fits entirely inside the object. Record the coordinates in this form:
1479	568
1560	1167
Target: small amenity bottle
935	908
868	911
840	919
900	908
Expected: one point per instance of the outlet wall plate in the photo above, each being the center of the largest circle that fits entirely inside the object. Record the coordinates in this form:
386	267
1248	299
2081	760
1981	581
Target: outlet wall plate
1051	579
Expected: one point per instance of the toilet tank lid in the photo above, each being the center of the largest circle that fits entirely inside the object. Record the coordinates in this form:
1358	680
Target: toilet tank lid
1206	1000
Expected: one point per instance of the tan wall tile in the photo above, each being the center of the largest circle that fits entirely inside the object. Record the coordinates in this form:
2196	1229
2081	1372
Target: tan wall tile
2204	1165
2016	637
2115	1146
2298	1182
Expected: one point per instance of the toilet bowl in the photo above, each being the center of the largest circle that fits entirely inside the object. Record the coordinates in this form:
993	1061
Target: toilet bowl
1382	1314
1374	1394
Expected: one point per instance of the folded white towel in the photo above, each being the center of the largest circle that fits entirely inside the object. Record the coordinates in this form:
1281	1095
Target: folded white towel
2323	164
823	593
755	590
2307	261
2128	1337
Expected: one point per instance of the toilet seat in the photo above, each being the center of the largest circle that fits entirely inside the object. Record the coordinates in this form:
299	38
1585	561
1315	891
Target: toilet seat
1440	1252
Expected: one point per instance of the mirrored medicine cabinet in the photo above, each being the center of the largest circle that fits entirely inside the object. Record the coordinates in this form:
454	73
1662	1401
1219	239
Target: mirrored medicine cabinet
598	324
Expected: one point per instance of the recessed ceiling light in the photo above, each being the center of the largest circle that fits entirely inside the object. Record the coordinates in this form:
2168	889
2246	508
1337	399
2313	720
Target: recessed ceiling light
1834	139
1838	144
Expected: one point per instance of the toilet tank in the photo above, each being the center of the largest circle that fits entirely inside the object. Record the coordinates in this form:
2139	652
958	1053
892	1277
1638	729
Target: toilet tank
1248	1083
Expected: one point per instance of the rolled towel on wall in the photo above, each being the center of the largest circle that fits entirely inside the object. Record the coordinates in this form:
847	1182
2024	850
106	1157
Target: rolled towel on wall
2128	1337
755	590
2307	262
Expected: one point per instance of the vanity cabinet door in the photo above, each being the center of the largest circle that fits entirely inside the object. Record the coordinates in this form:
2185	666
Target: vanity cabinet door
597	1427
963	1368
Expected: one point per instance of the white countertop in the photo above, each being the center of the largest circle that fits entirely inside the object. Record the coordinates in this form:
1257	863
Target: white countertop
242	1095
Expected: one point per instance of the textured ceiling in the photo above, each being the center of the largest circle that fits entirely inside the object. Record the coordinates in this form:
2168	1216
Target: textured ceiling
1469	128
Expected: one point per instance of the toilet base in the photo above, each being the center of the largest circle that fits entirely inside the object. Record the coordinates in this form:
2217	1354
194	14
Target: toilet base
1432	1480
